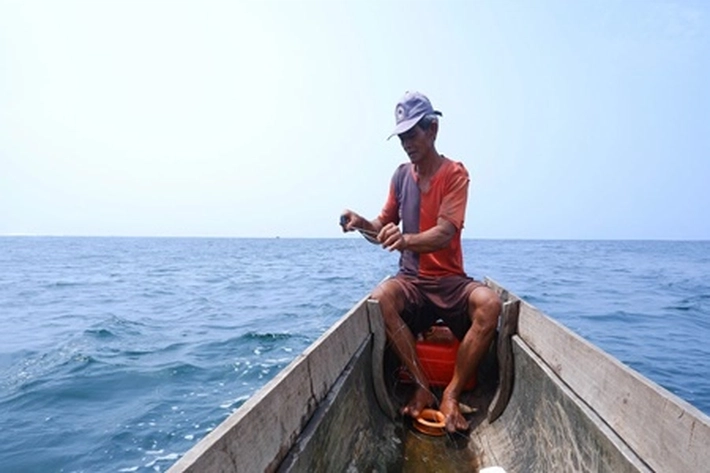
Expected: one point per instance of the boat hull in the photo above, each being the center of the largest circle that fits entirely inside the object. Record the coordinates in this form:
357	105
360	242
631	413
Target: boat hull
546	400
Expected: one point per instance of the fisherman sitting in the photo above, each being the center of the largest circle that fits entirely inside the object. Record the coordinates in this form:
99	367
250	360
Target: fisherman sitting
428	197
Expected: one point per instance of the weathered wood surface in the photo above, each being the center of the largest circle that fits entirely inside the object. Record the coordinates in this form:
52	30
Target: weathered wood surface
257	437
666	432
348	431
571	408
548	428
377	327
504	348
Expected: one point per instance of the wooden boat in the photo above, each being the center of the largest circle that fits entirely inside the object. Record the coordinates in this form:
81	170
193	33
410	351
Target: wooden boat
550	401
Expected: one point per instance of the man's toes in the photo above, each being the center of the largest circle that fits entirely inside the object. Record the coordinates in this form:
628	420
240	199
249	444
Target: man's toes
456	423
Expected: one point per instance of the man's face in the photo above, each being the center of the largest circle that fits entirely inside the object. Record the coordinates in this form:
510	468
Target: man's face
416	143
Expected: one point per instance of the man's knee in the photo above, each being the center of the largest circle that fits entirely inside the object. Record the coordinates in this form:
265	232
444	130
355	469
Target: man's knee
384	292
389	295
378	293
486	306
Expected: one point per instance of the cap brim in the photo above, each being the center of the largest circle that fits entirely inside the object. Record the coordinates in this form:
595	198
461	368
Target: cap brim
407	125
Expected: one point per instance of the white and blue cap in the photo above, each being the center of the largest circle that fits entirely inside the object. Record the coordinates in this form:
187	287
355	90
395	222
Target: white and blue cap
411	108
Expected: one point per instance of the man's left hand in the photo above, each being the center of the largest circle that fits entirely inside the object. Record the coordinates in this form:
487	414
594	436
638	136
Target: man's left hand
392	238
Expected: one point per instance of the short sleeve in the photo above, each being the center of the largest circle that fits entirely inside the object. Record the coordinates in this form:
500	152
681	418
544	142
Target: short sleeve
453	203
390	211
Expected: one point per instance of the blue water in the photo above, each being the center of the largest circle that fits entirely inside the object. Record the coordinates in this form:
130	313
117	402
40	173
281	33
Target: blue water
118	354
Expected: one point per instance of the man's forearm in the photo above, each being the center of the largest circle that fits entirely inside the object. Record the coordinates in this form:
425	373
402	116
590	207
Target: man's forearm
434	239
374	225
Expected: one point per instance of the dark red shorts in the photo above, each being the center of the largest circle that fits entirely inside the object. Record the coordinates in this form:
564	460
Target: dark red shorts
429	300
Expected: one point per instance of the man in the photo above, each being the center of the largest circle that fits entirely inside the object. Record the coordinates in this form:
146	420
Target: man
428	196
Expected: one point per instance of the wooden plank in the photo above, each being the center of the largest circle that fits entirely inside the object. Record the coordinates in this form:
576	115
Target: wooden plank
665	431
329	356
506	368
260	433
548	428
348	431
377	328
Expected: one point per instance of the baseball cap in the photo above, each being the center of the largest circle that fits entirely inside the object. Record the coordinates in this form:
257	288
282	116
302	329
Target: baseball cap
410	109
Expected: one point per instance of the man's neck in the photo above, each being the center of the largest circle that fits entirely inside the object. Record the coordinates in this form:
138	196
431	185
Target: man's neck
429	165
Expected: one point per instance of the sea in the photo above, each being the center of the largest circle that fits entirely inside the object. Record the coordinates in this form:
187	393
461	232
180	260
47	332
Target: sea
119	354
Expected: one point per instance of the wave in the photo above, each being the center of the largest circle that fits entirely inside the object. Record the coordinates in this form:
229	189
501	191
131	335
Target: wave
266	336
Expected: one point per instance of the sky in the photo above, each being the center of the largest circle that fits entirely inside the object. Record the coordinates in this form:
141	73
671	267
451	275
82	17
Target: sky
576	120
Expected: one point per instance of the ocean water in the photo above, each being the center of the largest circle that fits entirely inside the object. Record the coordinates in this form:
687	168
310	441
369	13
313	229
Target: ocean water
119	354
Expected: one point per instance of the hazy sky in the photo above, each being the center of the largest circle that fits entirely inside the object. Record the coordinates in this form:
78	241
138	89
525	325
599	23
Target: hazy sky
576	119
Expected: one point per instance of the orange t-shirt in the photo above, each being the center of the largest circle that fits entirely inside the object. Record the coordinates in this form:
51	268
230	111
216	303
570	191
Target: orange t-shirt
419	211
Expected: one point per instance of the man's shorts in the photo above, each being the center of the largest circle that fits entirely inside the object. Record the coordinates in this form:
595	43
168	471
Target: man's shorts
429	300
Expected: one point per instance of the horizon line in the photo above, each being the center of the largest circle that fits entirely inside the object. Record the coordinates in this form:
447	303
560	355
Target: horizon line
278	237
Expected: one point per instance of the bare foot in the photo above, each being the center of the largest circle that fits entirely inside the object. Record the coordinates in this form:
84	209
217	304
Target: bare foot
422	398
454	419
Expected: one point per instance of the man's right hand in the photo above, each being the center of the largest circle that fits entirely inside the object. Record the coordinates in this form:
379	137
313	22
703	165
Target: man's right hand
349	220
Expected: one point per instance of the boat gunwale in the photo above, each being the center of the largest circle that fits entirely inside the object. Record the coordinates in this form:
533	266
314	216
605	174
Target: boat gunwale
663	430
233	442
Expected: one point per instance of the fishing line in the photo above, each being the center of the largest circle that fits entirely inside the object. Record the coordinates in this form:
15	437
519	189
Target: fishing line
370	236
365	257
